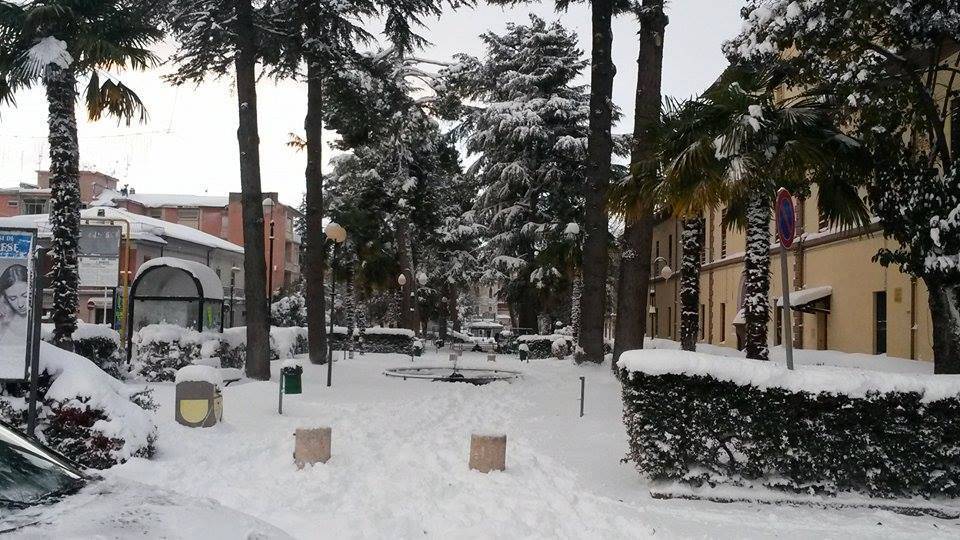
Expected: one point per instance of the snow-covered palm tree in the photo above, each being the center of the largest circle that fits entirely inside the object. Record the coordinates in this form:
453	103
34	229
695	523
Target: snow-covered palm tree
55	43
736	145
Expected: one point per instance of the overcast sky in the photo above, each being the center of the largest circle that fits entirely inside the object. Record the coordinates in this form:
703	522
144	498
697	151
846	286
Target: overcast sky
189	143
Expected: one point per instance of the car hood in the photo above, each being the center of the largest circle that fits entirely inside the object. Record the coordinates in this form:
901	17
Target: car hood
118	508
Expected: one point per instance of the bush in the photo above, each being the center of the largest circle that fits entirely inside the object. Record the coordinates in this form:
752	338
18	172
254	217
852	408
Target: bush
548	345
375	340
705	420
83	413
289	311
98	343
161	349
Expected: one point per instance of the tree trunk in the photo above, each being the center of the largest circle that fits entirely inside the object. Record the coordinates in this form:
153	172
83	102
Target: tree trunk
634	279
944	302
254	259
313	269
756	266
454	310
576	294
692	243
349	309
599	150
408	303
65	201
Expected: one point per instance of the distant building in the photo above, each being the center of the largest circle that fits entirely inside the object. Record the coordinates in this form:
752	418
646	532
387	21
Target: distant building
149	239
219	216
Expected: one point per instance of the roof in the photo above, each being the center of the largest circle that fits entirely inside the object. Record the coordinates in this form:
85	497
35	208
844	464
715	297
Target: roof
805	296
210	283
110	197
142	228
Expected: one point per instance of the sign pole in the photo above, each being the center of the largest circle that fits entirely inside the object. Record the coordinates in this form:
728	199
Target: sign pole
787	228
35	340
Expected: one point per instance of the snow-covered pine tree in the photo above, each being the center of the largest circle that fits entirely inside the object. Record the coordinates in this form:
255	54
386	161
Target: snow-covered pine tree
891	66
691	243
57	42
529	134
215	37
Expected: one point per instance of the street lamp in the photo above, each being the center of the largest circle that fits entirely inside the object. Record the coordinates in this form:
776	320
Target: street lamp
666	271
268	205
401	316
233	284
336	234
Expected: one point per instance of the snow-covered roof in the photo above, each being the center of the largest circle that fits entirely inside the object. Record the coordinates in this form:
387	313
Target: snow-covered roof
210	283
484	324
110	197
142	228
805	296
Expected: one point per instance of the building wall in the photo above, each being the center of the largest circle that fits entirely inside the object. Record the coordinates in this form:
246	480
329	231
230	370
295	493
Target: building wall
92	184
840	259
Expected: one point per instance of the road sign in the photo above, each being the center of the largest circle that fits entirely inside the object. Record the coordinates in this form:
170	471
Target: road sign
786	218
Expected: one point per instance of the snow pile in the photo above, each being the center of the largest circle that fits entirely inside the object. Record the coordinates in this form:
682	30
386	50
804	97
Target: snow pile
853	383
207	374
85	413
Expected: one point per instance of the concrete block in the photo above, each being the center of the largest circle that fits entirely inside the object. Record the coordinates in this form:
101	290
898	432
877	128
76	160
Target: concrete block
311	445
488	452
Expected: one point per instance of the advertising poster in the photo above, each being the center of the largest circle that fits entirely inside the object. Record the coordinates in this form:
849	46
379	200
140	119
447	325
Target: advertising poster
16	286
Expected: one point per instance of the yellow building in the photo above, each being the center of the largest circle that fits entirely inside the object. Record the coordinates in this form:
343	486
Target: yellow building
842	300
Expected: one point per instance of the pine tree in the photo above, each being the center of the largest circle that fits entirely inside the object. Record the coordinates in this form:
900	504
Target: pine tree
634	277
56	42
529	136
215	36
891	68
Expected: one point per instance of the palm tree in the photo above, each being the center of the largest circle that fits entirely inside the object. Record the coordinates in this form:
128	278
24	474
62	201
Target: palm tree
55	43
736	145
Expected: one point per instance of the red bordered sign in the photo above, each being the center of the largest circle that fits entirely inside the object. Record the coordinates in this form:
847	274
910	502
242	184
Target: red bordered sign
786	218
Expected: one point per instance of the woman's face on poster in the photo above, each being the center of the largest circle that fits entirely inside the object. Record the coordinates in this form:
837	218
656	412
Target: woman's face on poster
18	296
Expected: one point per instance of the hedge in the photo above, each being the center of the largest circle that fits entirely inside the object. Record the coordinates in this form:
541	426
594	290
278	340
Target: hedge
706	420
548	345
98	343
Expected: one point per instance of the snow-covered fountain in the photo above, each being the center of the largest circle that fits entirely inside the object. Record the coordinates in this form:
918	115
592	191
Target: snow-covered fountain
455	373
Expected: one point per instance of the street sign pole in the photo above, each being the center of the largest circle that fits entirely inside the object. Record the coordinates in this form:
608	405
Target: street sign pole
787	229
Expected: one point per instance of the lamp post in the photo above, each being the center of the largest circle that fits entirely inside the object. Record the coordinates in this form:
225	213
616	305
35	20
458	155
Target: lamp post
666	271
268	204
233	284
401	316
336	234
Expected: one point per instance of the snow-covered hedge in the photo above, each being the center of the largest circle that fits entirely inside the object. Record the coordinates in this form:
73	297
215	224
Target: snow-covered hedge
376	339
704	419
85	413
161	349
548	345
289	311
98	343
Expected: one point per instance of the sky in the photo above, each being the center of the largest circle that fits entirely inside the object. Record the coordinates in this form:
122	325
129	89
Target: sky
188	145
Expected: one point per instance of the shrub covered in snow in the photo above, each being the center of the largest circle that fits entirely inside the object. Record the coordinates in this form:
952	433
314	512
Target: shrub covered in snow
289	311
98	343
702	419
84	413
161	349
376	339
547	345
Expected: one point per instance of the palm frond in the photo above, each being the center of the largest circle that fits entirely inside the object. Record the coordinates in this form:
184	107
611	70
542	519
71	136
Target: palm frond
114	98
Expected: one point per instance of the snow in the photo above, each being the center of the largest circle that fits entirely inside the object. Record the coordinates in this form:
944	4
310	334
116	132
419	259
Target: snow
209	281
46	51
142	228
544	337
84	331
571	230
76	377
767	375
805	296
399	464
110	197
199	374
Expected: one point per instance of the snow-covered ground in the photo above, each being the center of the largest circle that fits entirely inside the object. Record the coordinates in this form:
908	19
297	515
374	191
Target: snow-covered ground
399	465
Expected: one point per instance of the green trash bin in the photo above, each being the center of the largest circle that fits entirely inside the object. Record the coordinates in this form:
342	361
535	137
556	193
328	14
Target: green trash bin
291	380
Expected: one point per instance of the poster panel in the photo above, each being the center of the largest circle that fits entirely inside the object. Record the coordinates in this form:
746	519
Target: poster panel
16	287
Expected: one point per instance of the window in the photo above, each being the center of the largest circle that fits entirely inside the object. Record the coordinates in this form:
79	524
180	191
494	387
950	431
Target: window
657	250
669	321
13	203
670	250
703	251
880	322
723	322
189	217
822	222
778	315
156	213
723	241
34	206
955	126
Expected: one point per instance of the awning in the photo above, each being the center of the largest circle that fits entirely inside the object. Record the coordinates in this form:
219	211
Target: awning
801	300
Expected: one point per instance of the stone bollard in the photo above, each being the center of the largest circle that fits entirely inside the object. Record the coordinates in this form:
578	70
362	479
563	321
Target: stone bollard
311	446
488	452
491	358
